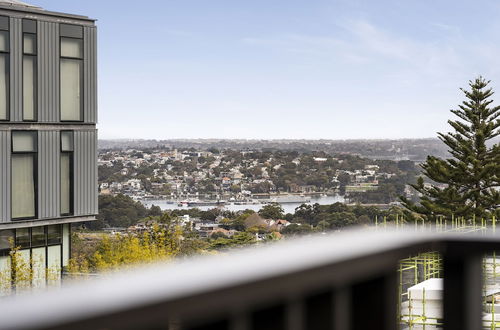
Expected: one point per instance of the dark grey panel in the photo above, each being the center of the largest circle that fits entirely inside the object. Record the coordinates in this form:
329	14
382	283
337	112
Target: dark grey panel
4	176
48	174
70	30
4	23
48	72
29	25
16	69
85	175
90	75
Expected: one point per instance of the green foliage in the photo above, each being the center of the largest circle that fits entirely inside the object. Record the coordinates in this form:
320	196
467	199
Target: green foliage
120	211
297	229
26	273
466	184
118	251
239	239
272	211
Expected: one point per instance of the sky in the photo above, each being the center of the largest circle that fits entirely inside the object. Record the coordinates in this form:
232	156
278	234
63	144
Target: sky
296	69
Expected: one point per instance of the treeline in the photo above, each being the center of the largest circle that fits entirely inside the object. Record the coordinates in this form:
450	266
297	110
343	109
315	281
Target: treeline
122	211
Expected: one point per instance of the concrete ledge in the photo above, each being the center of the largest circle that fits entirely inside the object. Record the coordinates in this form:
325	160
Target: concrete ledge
46	222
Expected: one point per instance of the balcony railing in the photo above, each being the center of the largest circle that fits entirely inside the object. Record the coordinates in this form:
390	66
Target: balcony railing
337	281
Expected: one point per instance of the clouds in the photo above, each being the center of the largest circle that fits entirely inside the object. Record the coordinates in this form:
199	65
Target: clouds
359	42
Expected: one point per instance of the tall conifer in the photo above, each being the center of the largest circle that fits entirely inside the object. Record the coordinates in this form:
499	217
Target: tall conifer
467	183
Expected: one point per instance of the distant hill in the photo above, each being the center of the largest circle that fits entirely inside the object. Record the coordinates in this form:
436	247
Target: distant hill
412	149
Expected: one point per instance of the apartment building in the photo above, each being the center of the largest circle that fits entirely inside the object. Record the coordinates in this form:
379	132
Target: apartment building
48	136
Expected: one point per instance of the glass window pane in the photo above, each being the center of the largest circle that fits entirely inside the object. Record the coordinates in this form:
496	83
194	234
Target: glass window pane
29	78
65	183
29	43
29	26
4	41
70	30
71	47
4	22
38	236
23	186
23	237
4	86
66	141
71	90
5	239
54	234
24	141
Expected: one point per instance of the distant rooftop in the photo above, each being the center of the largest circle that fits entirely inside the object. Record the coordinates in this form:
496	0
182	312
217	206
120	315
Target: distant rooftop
16	3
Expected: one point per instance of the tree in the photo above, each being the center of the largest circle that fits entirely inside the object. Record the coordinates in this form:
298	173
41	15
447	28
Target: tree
467	183
272	211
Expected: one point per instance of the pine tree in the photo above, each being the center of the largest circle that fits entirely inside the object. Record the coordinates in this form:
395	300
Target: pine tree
466	184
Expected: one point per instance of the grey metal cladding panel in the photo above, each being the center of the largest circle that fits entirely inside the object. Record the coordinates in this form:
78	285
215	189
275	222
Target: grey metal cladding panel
48	174
90	75
16	69
85	172
4	176
48	72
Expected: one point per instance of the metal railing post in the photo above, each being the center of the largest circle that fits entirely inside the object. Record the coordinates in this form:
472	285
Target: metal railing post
462	301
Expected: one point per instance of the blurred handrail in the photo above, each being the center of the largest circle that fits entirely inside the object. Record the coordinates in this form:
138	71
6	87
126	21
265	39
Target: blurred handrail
354	272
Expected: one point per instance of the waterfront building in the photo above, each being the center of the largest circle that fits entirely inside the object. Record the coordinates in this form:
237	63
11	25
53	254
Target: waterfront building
48	136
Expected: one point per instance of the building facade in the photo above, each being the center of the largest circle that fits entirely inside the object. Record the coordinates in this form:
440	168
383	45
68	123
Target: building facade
48	136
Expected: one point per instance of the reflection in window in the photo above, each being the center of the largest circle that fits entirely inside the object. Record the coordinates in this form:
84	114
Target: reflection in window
37	236
6	239
23	237
71	65
29	70
54	234
66	172
23	174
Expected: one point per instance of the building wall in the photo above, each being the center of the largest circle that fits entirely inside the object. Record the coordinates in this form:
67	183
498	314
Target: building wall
85	156
49	174
90	76
16	69
48	117
48	72
45	262
4	176
84	174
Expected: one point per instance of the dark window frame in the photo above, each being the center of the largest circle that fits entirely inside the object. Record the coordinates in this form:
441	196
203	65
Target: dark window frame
35	171
35	71
44	235
70	153
16	244
6	251
61	234
6	54
82	71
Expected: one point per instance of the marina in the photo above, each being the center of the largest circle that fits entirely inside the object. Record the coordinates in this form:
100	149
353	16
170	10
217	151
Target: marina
288	202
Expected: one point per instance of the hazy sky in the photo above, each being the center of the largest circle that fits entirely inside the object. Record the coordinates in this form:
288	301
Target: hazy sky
286	69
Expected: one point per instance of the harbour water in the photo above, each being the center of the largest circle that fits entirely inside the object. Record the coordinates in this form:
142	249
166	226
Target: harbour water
288	207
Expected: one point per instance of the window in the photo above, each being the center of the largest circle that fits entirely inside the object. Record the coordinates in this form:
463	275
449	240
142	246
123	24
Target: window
71	63
6	241
38	236
66	173
29	70
24	152
23	238
4	67
54	234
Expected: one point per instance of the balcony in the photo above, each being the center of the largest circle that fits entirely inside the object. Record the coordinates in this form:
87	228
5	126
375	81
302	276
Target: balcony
338	281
